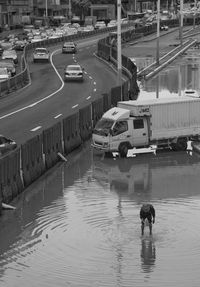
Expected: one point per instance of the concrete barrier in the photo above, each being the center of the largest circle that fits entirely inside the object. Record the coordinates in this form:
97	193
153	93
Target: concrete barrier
97	110
116	95
71	133
85	122
52	144
10	178
32	160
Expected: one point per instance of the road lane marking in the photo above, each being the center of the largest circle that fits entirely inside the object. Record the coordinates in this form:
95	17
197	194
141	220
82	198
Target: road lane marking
75	106
57	116
43	99
95	83
88	98
95	90
36	128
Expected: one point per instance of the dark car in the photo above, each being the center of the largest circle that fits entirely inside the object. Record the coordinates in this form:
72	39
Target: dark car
6	145
69	47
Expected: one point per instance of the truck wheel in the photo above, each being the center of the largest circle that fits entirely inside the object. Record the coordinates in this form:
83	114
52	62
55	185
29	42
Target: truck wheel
182	144
123	150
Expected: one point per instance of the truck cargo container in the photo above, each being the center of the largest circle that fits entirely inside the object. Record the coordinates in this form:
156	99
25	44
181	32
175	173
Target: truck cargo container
164	123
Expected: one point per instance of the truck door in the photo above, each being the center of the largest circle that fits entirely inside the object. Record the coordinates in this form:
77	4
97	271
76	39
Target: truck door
120	133
140	132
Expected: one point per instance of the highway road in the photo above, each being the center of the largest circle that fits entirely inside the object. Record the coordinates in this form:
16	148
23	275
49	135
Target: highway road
48	99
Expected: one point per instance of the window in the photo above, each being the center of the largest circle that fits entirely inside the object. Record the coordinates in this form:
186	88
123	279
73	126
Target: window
120	127
138	124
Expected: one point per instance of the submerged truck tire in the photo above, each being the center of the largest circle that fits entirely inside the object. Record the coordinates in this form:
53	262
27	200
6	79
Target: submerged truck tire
123	149
180	145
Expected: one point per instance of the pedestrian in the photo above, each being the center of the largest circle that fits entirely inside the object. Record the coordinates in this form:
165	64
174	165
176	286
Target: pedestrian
147	211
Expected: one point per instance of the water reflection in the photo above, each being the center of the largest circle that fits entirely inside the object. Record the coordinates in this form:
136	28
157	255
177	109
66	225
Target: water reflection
148	254
139	178
81	226
182	74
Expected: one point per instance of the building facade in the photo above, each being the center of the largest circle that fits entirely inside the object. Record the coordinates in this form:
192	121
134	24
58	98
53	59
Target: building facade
17	12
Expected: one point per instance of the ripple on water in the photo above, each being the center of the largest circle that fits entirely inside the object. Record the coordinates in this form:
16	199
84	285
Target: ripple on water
91	237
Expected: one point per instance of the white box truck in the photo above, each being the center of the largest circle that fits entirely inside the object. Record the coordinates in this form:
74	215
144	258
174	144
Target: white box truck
166	122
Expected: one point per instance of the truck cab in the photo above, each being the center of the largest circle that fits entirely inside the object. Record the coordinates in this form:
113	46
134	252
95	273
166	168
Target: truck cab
118	131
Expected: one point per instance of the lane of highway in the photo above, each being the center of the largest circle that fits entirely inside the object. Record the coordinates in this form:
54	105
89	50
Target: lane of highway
47	99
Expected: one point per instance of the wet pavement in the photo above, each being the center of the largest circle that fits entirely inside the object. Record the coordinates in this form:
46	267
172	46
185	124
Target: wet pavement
79	225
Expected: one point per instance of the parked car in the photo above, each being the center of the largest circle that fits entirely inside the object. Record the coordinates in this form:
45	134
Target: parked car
41	54
4	74
10	54
6	145
73	72
69	47
10	65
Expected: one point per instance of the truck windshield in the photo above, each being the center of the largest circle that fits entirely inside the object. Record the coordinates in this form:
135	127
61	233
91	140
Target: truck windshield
103	127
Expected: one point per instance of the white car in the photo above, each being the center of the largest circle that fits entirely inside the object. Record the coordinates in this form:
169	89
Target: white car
112	23
4	74
41	54
69	47
10	54
73	72
100	25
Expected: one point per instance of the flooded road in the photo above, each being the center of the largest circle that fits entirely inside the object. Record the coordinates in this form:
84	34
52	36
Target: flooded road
181	75
80	226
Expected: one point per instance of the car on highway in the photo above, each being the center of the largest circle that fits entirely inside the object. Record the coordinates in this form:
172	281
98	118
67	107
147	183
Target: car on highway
73	72
10	54
19	45
10	65
100	25
4	74
6	145
41	54
112	23
164	27
69	47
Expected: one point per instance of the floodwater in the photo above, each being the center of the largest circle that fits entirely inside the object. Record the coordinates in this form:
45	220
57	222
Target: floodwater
183	74
79	225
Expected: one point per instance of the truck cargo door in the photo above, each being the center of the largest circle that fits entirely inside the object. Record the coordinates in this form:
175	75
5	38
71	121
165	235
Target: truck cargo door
140	132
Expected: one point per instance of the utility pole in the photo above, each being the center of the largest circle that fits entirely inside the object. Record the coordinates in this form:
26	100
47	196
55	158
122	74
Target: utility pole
181	22
158	32
70	9
119	48
46	9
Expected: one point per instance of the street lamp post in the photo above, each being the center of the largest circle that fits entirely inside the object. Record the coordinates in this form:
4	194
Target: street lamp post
158	31
119	49
46	7
181	22
70	9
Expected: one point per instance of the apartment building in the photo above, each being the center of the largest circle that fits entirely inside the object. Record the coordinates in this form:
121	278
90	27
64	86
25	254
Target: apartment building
15	12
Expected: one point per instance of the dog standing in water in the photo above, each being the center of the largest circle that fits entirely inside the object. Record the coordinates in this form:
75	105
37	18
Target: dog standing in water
147	211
